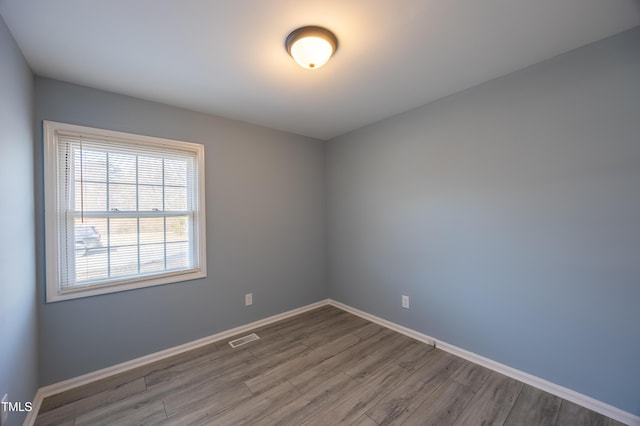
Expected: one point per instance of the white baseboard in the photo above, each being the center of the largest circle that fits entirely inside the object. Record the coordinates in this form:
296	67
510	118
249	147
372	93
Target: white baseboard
554	389
104	373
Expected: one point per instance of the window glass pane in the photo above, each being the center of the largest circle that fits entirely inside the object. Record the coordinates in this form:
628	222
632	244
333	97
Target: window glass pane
123	232
178	256
100	225
91	267
124	261
149	170
122	168
149	198
94	165
177	229
90	251
93	196
87	234
175	172
175	198
151	230
122	197
151	258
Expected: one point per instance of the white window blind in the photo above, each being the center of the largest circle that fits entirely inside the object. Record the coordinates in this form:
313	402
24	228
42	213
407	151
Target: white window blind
129	211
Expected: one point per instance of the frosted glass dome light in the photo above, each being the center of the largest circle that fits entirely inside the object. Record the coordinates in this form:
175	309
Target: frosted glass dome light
311	47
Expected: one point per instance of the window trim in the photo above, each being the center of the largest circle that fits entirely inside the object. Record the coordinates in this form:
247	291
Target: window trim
54	292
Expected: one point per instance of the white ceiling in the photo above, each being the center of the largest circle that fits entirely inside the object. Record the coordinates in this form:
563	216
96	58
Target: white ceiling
227	57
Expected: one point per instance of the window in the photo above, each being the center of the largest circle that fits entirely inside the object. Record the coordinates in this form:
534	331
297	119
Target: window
122	211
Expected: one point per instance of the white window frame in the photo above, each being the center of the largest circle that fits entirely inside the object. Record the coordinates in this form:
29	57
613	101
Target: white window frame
54	291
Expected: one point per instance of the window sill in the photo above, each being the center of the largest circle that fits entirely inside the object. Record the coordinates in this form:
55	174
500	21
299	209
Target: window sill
95	290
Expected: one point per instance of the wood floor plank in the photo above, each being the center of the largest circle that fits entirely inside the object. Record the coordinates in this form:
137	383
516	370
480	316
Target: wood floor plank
398	404
182	388
363	397
296	365
317	374
307	405
250	411
194	375
207	394
611	422
341	386
65	422
534	407
205	405
471	375
178	392
304	324
131	403
85	405
212	362
442	406
414	357
222	350
148	414
272	344
347	325
364	420
492	403
232	365
403	351
572	414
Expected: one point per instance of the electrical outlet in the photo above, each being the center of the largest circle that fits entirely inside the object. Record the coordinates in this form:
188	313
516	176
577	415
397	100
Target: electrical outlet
248	299
4	412
405	301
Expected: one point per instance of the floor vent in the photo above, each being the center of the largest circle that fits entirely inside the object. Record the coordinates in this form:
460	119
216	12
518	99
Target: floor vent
243	340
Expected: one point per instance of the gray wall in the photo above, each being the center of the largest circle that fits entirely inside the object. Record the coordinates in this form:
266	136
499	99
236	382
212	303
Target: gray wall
510	214
18	313
265	235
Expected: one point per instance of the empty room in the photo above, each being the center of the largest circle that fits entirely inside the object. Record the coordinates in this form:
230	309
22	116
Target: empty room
358	212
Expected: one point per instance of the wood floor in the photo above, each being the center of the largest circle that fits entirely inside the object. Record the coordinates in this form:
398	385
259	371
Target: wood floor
323	367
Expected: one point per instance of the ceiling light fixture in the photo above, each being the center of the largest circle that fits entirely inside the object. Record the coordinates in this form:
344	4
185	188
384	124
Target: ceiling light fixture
311	46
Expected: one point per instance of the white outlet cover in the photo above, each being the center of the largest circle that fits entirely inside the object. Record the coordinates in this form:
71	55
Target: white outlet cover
405	302
248	299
